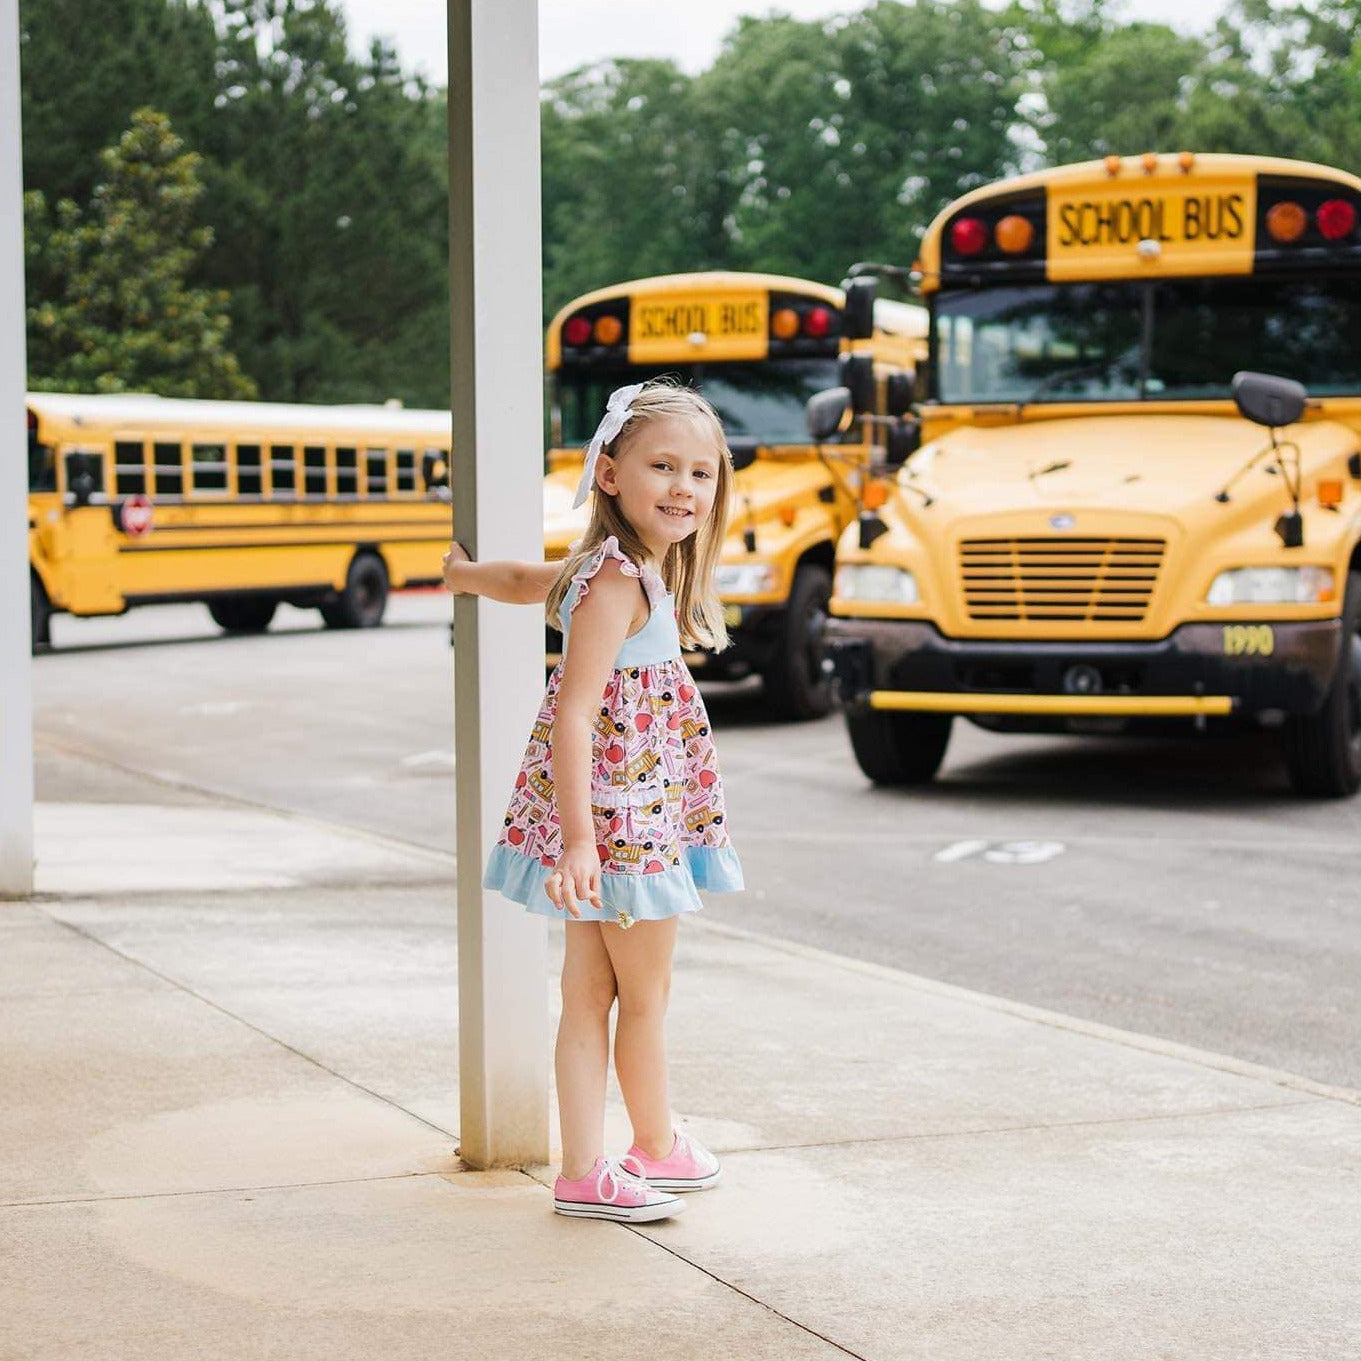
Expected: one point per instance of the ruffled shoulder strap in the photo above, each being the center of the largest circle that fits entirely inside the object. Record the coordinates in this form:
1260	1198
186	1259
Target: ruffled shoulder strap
653	585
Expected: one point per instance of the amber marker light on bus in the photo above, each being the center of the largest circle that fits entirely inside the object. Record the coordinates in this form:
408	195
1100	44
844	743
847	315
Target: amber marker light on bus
608	330
576	331
1336	219
1150	162
817	322
784	323
1014	234
1286	221
1330	493
969	235
1112	165
876	495
1186	160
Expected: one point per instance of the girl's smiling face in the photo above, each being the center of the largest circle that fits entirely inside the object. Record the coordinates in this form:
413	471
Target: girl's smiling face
666	478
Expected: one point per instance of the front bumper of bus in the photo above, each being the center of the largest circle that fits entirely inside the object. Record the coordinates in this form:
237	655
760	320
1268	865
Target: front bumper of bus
910	666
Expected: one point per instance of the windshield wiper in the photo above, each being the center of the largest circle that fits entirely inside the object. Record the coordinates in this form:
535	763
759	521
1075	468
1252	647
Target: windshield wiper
1096	370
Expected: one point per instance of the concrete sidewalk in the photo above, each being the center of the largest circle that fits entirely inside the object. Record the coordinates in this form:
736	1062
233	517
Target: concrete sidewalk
229	1122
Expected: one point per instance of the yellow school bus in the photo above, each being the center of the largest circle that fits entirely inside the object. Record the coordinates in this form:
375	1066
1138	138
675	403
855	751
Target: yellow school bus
138	500
757	346
1114	520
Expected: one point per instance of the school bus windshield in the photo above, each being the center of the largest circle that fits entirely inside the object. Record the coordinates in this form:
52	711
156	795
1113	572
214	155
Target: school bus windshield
762	401
1135	340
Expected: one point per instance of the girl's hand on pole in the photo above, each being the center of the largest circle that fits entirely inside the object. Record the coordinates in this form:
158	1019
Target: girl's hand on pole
575	878
453	561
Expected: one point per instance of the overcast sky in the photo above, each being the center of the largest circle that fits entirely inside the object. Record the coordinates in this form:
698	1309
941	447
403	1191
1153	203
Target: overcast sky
573	32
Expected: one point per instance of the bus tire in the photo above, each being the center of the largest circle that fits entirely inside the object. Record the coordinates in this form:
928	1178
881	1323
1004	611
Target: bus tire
796	686
1323	750
39	616
362	602
243	613
898	748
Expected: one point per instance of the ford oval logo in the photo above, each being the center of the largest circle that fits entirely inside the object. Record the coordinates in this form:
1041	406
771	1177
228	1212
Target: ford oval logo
1062	521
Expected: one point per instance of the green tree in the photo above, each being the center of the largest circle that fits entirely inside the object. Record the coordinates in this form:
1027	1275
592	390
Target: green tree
87	64
628	178
110	306
328	192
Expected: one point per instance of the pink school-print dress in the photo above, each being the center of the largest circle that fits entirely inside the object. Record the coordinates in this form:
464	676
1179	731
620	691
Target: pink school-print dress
656	794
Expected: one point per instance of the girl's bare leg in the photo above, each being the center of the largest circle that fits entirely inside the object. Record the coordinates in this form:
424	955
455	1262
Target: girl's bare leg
641	957
582	1055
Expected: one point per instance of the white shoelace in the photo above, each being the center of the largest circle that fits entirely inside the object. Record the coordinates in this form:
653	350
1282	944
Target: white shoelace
618	1177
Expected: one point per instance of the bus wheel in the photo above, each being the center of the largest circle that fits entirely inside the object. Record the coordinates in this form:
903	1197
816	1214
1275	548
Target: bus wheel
39	616
243	613
1323	750
362	603
796	687
897	748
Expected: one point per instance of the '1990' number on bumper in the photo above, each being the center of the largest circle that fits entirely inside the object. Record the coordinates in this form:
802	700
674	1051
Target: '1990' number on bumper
1249	640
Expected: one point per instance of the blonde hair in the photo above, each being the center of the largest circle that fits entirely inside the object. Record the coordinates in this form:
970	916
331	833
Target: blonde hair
688	568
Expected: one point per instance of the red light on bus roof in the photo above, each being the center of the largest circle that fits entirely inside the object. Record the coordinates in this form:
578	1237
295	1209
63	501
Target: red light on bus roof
817	322
969	235
576	331
1336	219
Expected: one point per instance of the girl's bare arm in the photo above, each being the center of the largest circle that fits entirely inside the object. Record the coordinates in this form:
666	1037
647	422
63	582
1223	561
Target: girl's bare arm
515	583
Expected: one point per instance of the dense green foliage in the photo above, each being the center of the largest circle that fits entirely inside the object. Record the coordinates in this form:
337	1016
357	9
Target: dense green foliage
806	145
115	313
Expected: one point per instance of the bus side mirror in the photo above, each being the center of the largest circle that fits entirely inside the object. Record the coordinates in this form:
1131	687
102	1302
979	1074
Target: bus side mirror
828	413
1269	400
899	394
858	309
857	377
743	451
904	439
84	477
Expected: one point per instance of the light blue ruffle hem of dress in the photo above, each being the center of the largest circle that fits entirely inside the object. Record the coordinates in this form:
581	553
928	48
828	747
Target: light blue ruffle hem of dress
645	897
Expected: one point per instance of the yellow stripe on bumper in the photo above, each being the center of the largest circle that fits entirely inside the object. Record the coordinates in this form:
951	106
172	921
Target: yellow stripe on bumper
1124	706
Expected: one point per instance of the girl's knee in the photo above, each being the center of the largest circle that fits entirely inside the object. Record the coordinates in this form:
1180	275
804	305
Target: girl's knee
592	993
645	1000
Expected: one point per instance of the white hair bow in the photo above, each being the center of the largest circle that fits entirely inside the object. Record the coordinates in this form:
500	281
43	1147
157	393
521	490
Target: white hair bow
617	411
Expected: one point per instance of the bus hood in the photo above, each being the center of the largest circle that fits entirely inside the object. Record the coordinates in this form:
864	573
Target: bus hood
1152	464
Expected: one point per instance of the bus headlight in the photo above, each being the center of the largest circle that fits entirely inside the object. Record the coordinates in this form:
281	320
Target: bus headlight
1272	586
877	582
744	578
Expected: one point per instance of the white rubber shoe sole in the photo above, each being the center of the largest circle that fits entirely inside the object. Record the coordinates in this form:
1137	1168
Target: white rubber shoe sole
623	1214
682	1185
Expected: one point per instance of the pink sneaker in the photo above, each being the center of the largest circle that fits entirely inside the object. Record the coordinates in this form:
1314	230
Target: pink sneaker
610	1190
688	1167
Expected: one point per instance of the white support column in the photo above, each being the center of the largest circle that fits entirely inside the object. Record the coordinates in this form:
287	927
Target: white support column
16	692
497	332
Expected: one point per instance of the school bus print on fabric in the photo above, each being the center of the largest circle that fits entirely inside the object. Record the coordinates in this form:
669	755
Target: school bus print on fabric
757	346
1113	522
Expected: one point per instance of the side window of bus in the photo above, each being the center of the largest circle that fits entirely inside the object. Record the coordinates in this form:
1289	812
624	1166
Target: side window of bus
347	472
248	480
169	470
406	472
377	472
435	472
129	468
314	470
209	467
283	469
42	465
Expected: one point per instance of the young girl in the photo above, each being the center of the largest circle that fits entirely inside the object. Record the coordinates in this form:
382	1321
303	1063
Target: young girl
618	815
